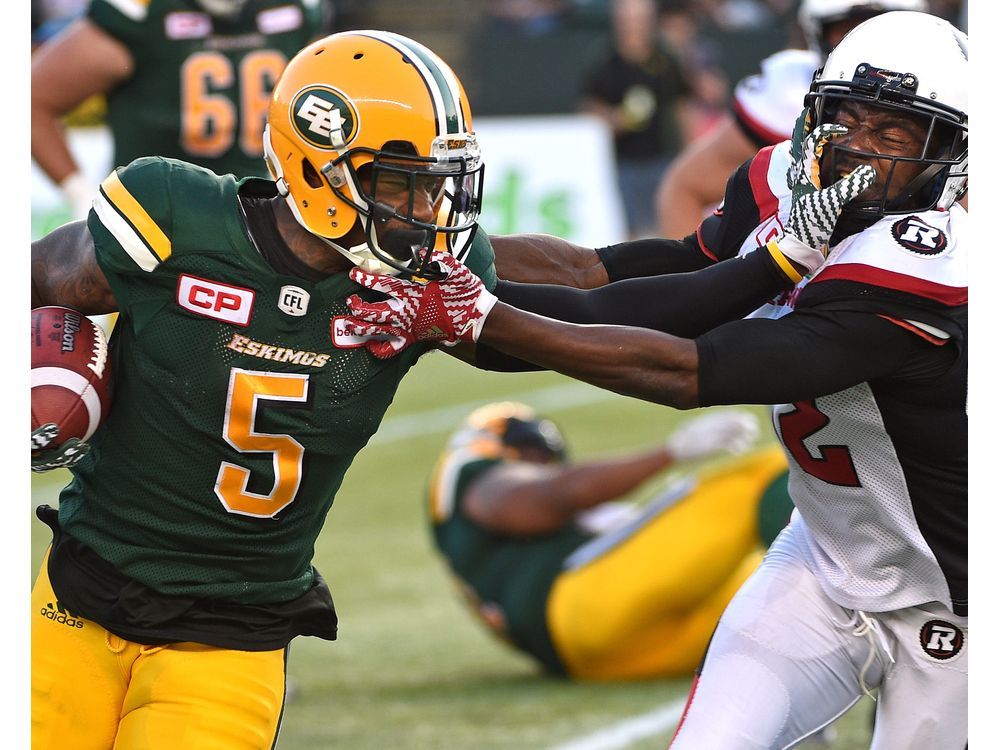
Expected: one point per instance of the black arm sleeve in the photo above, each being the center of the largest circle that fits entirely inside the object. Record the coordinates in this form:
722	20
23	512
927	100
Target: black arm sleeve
686	304
807	354
651	257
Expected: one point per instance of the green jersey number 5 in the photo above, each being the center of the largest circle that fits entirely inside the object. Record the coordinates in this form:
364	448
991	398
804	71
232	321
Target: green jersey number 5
247	389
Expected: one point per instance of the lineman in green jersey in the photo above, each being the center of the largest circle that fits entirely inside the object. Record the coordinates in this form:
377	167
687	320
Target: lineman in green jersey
548	558
180	566
186	79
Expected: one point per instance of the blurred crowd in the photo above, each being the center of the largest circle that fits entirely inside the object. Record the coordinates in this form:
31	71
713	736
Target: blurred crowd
660	73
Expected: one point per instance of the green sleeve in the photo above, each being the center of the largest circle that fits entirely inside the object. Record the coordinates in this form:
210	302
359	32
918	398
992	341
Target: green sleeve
480	259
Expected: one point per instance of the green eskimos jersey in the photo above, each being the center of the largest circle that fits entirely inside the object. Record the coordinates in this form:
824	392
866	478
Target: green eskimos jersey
505	579
234	415
201	84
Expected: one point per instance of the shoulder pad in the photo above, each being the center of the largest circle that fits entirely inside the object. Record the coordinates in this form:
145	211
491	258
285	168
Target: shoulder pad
767	104
918	254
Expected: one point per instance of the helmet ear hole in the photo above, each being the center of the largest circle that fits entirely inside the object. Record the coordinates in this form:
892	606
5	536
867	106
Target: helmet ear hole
310	175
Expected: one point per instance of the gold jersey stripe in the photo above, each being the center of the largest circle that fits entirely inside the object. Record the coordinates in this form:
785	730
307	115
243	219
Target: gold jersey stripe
137	10
136	215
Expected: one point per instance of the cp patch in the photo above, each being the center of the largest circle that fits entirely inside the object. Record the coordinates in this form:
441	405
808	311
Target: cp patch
941	640
324	117
919	236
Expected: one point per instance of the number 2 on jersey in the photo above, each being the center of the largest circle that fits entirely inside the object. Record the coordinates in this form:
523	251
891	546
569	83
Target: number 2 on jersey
247	390
834	464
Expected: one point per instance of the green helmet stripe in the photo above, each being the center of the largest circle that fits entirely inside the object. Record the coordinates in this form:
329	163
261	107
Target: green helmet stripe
441	83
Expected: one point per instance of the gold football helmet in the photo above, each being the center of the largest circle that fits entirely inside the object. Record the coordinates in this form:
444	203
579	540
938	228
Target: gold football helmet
514	430
360	107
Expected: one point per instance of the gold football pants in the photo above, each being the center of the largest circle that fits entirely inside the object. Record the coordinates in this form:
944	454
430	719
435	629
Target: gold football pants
647	606
91	690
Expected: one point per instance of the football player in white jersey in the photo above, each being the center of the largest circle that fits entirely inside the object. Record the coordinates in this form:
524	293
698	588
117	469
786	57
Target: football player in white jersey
866	361
762	112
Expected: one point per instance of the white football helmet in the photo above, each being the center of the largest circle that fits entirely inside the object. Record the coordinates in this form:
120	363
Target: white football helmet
814	15
916	63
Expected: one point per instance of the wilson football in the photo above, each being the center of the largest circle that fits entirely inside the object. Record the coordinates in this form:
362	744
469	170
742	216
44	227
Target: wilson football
70	372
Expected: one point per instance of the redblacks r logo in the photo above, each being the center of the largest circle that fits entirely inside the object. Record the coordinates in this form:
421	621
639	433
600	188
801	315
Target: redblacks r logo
230	304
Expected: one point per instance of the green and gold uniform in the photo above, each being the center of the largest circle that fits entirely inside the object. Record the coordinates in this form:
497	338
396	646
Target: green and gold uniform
189	526
201	84
637	602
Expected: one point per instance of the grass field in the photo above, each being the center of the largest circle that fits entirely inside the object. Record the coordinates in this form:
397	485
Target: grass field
411	670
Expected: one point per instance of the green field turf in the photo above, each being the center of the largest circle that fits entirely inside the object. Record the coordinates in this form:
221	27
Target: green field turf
412	670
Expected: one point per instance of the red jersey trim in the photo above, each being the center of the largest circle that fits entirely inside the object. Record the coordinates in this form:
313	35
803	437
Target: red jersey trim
767	201
704	249
936	340
947	295
759	129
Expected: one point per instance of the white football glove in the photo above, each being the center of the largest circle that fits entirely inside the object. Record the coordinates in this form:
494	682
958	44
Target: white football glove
717	432
447	311
815	209
79	194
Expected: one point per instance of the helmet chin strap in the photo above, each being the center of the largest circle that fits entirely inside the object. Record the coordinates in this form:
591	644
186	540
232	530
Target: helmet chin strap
362	256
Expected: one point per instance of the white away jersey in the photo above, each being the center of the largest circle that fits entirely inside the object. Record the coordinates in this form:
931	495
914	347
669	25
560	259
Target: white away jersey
767	104
880	508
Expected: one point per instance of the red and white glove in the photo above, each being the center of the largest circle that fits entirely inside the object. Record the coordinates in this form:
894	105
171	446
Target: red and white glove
447	311
718	432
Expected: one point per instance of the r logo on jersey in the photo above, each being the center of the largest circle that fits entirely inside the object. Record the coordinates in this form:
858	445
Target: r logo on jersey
211	299
919	236
941	640
324	117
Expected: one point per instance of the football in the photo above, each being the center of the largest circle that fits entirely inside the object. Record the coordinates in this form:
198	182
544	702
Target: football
70	373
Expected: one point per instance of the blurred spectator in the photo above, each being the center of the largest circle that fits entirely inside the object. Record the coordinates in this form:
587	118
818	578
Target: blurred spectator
529	17
189	79
762	113
701	58
49	17
641	90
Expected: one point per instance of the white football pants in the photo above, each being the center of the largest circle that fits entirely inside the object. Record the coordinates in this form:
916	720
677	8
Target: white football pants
786	660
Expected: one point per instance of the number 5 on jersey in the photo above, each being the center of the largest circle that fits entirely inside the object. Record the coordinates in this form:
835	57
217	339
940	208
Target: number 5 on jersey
248	391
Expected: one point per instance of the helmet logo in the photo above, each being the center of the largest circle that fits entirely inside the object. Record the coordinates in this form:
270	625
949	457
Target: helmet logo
324	117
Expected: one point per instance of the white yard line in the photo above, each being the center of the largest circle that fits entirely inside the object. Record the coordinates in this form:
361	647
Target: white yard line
624	733
445	419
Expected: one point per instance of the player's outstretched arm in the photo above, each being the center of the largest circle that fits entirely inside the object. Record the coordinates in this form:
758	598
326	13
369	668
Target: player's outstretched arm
635	362
546	259
64	271
522	497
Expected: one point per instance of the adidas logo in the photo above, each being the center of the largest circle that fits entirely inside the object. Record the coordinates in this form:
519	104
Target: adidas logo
61	615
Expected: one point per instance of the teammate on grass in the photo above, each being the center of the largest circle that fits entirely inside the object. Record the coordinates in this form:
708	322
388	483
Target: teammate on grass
183	544
867	364
551	560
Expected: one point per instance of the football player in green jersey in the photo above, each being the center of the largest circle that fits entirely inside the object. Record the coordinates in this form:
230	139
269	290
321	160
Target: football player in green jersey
180	566
550	559
188	79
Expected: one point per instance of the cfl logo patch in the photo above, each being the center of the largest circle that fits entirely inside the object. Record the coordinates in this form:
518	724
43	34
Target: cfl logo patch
941	640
